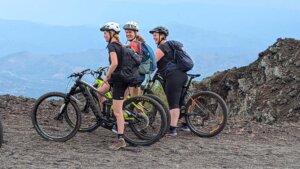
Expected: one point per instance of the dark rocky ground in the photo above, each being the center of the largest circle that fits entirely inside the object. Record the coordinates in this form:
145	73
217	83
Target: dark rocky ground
243	144
263	129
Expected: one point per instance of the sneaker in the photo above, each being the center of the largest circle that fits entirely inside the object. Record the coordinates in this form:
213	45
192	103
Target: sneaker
172	133
184	128
119	144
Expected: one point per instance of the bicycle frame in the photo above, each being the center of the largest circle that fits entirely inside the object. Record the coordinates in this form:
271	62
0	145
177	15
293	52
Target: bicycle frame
157	77
99	81
87	91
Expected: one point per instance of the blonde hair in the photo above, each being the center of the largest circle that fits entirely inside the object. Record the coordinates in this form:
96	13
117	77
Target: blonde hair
140	38
116	36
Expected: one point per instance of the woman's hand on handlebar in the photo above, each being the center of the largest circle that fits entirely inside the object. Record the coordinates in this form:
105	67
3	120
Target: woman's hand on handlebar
106	78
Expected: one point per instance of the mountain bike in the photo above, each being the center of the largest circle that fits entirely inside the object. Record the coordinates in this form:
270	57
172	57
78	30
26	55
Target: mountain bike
88	120
205	112
55	113
1	133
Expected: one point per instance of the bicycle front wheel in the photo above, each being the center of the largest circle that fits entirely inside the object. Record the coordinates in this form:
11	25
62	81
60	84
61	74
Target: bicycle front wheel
89	121
206	114
48	117
138	130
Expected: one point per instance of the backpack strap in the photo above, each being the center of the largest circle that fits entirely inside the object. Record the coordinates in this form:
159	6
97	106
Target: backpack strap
170	43
140	49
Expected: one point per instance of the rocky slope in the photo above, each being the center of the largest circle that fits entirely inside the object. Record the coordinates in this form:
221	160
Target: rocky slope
267	90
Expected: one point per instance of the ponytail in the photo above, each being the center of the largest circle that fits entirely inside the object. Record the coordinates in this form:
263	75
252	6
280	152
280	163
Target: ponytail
140	38
116	36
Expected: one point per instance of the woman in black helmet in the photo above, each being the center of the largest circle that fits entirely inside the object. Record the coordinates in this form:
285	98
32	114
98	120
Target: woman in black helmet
173	77
111	35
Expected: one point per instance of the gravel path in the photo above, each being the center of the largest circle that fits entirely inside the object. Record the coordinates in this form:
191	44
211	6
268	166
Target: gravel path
241	145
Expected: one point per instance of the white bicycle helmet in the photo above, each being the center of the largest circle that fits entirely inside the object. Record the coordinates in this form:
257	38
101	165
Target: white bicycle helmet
131	25
111	26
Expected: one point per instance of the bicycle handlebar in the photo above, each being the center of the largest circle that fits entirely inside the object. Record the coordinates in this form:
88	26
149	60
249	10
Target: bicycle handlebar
79	74
99	71
86	71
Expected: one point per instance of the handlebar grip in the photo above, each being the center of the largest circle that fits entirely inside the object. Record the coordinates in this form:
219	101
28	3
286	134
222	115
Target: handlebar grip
86	70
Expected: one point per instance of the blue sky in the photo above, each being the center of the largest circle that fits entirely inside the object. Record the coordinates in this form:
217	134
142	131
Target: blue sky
92	12
256	21
220	15
271	18
261	20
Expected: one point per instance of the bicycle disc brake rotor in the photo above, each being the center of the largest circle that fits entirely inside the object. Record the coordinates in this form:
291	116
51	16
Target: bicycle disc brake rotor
143	120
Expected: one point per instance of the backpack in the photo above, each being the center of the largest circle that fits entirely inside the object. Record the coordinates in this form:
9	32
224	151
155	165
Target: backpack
148	62
130	65
182	60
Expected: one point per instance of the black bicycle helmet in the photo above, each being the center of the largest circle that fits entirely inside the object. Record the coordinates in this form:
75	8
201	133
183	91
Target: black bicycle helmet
160	29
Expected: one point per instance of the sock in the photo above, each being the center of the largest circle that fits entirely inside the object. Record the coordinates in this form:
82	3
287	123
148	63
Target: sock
120	136
173	128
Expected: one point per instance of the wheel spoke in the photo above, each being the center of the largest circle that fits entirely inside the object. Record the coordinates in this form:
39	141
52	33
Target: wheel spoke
48	117
206	114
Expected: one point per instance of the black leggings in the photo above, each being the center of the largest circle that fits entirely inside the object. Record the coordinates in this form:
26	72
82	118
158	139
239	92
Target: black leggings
173	86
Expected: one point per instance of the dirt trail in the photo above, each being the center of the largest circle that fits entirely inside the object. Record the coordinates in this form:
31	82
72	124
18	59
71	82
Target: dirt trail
242	145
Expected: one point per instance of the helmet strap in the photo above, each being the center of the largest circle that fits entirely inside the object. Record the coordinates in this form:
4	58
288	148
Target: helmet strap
110	37
159	40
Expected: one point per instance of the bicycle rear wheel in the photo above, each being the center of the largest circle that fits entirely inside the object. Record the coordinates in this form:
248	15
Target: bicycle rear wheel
1	134
148	92
206	114
165	107
139	131
48	117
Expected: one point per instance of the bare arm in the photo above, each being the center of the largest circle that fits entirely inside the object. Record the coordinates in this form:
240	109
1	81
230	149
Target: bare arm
158	54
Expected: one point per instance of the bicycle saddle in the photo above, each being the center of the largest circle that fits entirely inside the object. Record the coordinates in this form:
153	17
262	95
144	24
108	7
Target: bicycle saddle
194	75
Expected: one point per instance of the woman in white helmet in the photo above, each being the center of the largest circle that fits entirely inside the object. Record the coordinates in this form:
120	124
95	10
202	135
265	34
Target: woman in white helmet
131	29
111	35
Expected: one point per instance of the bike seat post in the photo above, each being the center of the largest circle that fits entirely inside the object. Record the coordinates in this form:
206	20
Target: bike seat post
187	85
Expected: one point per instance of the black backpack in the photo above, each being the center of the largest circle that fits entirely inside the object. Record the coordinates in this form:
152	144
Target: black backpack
182	60
129	71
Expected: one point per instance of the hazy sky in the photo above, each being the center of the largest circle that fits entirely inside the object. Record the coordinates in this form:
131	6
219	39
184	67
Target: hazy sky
216	14
268	18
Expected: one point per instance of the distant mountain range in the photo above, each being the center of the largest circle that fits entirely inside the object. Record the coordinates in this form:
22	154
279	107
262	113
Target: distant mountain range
32	74
16	36
35	58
